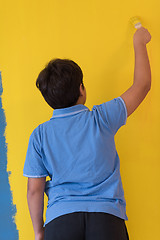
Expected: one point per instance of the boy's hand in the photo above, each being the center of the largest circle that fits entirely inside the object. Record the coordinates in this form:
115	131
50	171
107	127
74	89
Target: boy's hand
141	36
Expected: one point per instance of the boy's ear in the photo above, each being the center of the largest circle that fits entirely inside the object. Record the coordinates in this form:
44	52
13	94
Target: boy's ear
82	90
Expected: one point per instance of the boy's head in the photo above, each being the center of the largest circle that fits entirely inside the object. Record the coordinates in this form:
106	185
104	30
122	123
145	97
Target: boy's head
61	83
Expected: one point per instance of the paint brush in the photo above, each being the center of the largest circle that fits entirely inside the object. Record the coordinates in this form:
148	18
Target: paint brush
136	22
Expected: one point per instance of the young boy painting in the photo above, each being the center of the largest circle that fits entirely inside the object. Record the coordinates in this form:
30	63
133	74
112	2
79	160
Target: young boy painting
76	149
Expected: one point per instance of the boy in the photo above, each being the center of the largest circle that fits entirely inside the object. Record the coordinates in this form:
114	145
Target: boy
76	149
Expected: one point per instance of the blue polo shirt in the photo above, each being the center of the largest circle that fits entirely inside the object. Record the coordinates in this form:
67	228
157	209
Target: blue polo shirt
76	149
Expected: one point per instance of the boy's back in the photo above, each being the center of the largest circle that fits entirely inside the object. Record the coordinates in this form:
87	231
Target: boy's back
76	149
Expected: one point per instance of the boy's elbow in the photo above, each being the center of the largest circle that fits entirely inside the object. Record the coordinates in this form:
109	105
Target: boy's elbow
149	83
147	86
34	194
146	89
31	191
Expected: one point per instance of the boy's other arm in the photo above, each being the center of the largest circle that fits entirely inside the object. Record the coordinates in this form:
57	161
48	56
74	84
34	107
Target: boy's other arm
35	198
142	72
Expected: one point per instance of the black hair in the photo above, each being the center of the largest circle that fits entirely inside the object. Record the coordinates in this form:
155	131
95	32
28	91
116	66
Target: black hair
59	83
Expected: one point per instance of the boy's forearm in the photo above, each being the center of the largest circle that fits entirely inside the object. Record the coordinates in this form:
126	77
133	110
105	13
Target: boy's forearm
142	71
36	206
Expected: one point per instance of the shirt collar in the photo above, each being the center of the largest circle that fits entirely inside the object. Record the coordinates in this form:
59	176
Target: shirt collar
62	112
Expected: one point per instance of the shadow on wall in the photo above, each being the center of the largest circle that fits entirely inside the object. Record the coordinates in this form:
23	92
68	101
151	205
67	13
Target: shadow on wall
8	230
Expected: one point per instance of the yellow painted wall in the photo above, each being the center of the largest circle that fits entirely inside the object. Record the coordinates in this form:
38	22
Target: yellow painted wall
98	36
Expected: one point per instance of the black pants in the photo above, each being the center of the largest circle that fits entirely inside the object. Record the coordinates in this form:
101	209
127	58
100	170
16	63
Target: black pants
86	226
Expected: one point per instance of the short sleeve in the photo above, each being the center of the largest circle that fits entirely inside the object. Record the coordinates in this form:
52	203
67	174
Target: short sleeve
114	113
33	166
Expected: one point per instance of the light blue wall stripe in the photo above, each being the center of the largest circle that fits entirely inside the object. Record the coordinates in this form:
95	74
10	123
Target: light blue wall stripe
8	229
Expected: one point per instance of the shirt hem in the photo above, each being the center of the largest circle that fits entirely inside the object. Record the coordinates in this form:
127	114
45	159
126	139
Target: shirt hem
61	208
37	176
124	108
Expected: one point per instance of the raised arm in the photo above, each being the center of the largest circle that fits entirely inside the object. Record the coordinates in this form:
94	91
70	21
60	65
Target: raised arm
142	72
